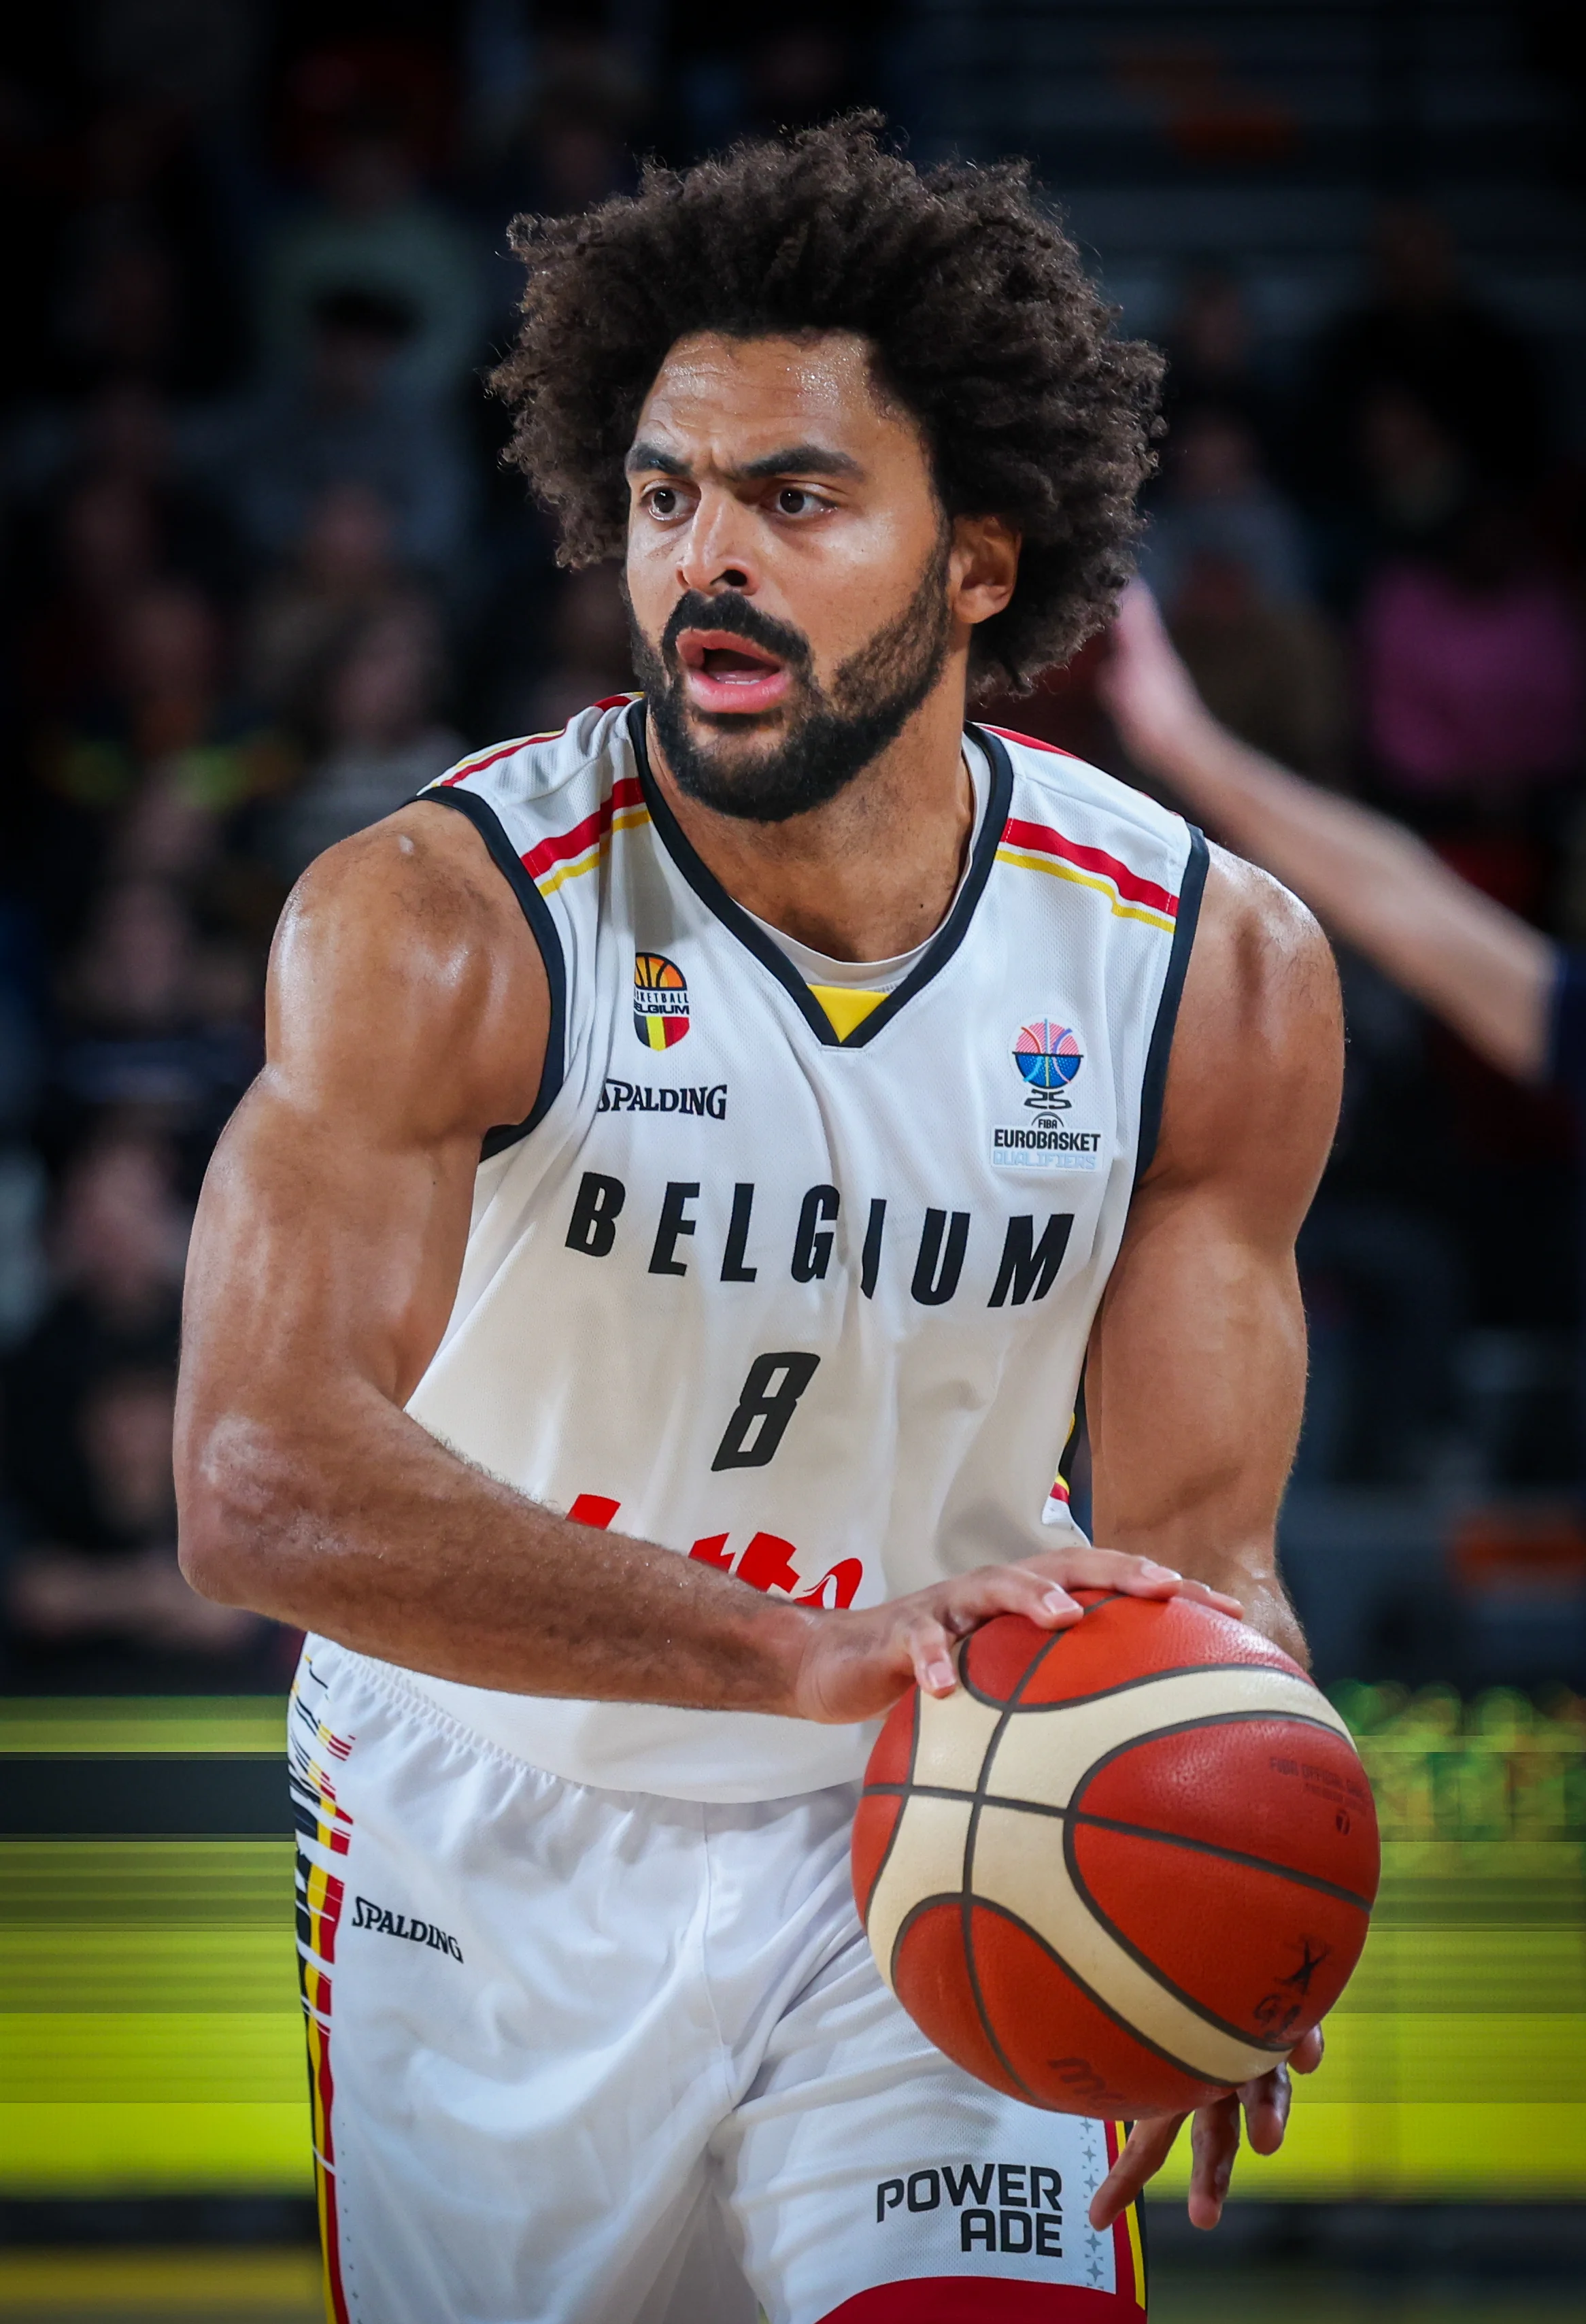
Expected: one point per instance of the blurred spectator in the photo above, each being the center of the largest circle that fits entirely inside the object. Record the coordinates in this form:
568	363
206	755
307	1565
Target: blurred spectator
1420	335
151	1016
588	635
374	234
382	739
1217	500
343	571
167	748
1474	669
118	1245
145	284
1214	359
115	1576
22	1174
1269	670
349	414
1226	555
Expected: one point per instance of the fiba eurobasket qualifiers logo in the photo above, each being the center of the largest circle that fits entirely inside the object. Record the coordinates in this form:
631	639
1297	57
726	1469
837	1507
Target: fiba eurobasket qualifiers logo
1049	1056
661	1001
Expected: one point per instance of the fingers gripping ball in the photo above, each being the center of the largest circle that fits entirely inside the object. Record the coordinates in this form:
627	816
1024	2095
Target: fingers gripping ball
1122	1867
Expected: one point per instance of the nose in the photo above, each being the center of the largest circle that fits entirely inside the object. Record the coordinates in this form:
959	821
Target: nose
716	552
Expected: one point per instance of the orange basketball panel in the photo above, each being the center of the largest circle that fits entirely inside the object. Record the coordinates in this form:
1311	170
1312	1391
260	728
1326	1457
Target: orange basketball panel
1123	1639
1266	1955
891	1759
996	1659
930	1975
1066	2049
1290	1792
874	1824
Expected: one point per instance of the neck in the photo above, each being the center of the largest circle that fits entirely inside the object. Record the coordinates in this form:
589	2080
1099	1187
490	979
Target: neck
872	872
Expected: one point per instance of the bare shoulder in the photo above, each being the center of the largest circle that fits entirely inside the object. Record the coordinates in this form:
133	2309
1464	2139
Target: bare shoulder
403	952
1254	1079
1257	949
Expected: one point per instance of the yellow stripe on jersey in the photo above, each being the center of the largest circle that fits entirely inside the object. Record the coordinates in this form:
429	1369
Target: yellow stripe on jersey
1104	887
845	1008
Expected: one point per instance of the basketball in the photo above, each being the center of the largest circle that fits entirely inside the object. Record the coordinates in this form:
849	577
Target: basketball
1123	1867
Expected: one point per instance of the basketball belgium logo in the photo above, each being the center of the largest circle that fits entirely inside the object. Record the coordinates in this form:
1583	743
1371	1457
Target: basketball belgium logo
661	1001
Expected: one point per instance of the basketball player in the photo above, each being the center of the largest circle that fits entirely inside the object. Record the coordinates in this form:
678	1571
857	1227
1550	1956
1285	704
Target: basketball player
635	1320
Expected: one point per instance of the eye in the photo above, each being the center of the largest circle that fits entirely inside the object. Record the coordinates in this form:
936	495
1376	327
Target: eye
796	500
661	500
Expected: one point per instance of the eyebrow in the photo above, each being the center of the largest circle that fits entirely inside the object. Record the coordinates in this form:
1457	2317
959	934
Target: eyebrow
793	460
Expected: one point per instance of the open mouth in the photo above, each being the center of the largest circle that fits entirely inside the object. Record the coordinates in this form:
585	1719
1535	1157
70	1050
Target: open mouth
725	672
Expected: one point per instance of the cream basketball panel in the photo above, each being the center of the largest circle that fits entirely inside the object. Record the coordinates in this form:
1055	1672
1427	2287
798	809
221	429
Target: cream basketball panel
1016	1862
1042	1754
926	1859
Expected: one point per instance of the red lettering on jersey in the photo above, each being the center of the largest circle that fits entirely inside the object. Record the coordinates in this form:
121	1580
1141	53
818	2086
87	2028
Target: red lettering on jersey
593	1510
764	1563
844	1579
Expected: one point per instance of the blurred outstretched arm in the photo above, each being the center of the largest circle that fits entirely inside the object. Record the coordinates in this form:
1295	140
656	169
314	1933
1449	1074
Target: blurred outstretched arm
1374	884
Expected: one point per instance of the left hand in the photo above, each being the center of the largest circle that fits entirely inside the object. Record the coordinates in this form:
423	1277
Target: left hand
1214	2141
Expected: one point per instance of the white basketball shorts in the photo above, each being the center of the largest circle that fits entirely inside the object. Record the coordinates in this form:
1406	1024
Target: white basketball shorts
587	2057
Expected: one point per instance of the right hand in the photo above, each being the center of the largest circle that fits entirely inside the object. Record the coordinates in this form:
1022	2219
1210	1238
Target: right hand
856	1664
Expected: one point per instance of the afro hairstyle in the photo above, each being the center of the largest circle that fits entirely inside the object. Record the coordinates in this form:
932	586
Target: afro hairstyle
982	323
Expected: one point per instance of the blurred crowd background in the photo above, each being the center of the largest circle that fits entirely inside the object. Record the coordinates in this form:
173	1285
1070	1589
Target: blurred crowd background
262	576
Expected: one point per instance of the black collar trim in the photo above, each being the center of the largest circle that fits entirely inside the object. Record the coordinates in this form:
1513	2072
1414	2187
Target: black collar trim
938	952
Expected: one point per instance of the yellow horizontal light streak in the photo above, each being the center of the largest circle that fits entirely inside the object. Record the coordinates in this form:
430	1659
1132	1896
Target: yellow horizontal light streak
154	2146
164	2284
221	1723
192	2056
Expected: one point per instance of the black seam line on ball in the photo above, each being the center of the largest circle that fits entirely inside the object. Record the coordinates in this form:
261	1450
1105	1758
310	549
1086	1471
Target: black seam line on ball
972	1828
1125	2024
1132	1832
1143	1961
1257	1717
1178	1670
901	1790
916	1912
996	1703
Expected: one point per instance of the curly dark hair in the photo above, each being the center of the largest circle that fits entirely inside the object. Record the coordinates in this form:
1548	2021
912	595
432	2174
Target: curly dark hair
982	324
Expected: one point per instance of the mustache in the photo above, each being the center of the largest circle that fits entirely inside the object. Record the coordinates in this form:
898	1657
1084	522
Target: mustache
740	619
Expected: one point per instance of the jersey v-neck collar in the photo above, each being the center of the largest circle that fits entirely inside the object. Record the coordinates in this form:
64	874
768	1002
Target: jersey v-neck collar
937	953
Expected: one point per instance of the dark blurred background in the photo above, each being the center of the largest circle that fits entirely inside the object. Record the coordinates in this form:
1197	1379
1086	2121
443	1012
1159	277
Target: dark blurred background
263	574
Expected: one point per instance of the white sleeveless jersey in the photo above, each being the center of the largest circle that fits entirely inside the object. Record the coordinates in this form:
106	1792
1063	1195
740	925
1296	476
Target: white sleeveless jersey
811	1311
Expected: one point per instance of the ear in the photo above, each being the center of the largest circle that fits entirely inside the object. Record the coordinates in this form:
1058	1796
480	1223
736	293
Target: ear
982	567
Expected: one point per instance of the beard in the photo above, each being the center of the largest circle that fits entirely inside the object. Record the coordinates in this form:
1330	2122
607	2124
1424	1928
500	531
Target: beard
831	735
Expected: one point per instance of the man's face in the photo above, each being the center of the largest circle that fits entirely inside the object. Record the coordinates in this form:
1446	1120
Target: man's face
788	570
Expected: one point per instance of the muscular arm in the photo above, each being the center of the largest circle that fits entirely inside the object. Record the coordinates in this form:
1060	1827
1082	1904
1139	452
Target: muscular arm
1196	1379
407	1013
1483	969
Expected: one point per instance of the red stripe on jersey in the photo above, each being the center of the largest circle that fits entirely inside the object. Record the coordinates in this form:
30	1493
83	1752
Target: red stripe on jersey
477	766
1040	841
984	2299
1010	734
629	792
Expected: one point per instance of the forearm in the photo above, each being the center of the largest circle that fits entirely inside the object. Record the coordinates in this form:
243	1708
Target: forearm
1377	888
1208	1532
339	1514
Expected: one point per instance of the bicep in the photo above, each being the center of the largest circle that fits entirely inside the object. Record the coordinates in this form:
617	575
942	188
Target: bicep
321	1251
406	1002
1195	1385
1194	1388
